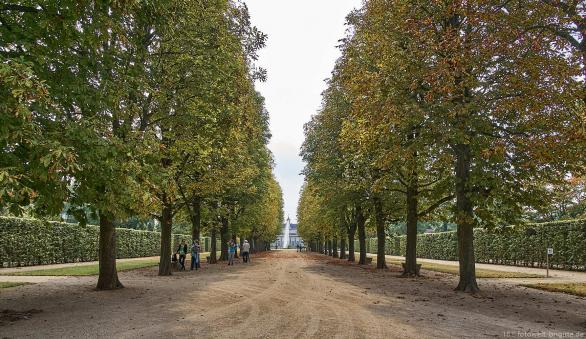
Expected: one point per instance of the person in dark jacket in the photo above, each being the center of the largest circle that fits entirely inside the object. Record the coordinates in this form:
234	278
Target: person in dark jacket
182	251
195	249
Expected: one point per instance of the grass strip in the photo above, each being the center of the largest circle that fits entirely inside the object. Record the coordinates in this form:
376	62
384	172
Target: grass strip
480	273
7	284
85	270
578	289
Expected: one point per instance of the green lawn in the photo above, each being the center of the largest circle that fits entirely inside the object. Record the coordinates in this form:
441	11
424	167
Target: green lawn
578	289
480	273
89	269
12	284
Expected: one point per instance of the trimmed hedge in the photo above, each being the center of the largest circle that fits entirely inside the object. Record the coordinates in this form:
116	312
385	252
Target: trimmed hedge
25	242
515	245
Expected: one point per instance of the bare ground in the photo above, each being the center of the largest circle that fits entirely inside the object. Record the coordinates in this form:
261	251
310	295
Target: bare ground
285	294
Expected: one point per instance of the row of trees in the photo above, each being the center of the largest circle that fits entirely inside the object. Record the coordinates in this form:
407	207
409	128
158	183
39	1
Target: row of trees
472	112
136	109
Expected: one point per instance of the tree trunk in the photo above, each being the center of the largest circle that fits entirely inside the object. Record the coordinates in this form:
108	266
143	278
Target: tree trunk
380	233
213	249
335	247
108	276
224	238
351	235
196	219
360	221
411	252
465	220
166	250
343	247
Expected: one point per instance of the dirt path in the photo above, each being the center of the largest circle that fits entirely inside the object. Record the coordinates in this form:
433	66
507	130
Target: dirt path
285	294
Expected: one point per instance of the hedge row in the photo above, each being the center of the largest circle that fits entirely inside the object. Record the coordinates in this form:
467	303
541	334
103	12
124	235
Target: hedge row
25	242
516	245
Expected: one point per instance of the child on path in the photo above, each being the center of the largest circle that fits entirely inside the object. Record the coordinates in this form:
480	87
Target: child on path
231	251
182	251
195	249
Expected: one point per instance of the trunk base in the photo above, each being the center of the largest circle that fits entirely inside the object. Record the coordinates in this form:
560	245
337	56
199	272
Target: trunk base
471	288
410	271
106	286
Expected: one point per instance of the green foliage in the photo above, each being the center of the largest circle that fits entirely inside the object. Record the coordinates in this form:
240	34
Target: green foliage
26	242
515	245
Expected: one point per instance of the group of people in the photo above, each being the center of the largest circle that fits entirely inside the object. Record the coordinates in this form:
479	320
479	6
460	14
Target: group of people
244	251
196	250
182	253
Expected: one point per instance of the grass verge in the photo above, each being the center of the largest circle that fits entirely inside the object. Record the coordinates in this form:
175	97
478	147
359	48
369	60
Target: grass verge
5	284
480	273
84	270
578	289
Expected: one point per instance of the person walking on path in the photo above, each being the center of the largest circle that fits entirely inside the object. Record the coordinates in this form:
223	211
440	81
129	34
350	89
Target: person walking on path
195	249
231	251
245	251
182	251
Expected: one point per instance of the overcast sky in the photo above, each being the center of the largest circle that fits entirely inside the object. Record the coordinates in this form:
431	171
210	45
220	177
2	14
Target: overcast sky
300	54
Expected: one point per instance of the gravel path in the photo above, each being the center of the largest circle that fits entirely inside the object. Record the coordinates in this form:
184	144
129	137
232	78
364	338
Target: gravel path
285	294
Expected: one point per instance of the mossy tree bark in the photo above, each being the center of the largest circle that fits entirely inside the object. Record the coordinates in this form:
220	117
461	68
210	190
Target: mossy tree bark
360	224
213	246
166	250
108	275
224	238
465	220
412	218
343	247
335	247
351	235
380	233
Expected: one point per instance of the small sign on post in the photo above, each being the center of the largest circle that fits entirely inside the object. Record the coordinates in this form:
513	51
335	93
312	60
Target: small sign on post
549	253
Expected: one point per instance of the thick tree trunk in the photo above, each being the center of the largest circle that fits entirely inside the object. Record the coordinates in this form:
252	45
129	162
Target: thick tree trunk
166	250
351	235
108	276
224	238
411	252
196	219
465	220
213	249
380	233
335	247
360	224
343	247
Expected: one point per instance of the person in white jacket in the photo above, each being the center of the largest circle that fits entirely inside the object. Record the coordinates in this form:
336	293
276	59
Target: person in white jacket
245	251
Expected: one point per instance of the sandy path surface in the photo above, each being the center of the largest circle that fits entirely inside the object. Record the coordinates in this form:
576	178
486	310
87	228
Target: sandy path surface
286	294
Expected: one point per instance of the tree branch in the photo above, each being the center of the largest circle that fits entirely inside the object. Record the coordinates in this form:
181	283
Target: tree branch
436	205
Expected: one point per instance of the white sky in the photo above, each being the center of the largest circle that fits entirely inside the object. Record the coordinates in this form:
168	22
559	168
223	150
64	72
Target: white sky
300	55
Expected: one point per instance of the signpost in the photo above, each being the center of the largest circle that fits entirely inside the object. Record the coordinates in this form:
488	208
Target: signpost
549	253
